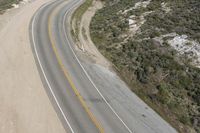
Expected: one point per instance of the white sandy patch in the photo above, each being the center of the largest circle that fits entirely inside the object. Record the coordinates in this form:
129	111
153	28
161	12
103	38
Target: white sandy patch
136	22
186	47
15	5
160	38
24	105
139	4
143	4
131	21
20	4
165	7
183	45
25	1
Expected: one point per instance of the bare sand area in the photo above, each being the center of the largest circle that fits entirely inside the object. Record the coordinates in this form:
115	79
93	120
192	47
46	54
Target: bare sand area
24	104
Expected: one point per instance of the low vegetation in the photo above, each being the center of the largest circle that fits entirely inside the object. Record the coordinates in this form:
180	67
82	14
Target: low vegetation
154	70
5	4
77	15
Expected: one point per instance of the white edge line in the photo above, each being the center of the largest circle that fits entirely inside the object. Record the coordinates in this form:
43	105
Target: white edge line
33	38
88	74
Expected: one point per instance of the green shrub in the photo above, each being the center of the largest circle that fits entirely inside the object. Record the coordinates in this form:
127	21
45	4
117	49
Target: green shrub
146	65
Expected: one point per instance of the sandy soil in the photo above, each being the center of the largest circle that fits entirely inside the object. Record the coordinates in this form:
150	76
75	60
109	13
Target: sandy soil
24	105
86	43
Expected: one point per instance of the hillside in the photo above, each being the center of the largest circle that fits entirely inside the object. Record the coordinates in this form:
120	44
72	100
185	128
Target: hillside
154	45
5	4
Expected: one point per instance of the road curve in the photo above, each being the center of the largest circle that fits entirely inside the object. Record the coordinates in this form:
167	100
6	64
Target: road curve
80	105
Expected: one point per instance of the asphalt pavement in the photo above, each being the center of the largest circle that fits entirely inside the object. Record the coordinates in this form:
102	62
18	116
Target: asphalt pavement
80	105
65	77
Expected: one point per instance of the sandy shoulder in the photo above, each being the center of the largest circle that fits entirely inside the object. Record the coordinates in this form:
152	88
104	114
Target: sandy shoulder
24	105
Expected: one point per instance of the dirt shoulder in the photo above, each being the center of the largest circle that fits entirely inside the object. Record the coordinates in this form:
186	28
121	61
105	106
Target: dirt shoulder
84	43
25	107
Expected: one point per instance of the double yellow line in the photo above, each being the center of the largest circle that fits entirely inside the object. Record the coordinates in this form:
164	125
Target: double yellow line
80	98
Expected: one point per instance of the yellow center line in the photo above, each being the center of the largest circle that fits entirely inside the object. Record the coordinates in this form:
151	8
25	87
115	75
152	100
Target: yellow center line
80	98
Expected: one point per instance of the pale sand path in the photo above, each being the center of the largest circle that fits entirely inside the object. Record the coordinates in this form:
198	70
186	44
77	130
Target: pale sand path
24	105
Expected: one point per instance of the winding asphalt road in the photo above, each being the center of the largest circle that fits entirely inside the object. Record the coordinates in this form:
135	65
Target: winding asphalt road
80	105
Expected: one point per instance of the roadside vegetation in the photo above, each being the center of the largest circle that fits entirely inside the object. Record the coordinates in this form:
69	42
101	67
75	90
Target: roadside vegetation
5	4
159	74
77	15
